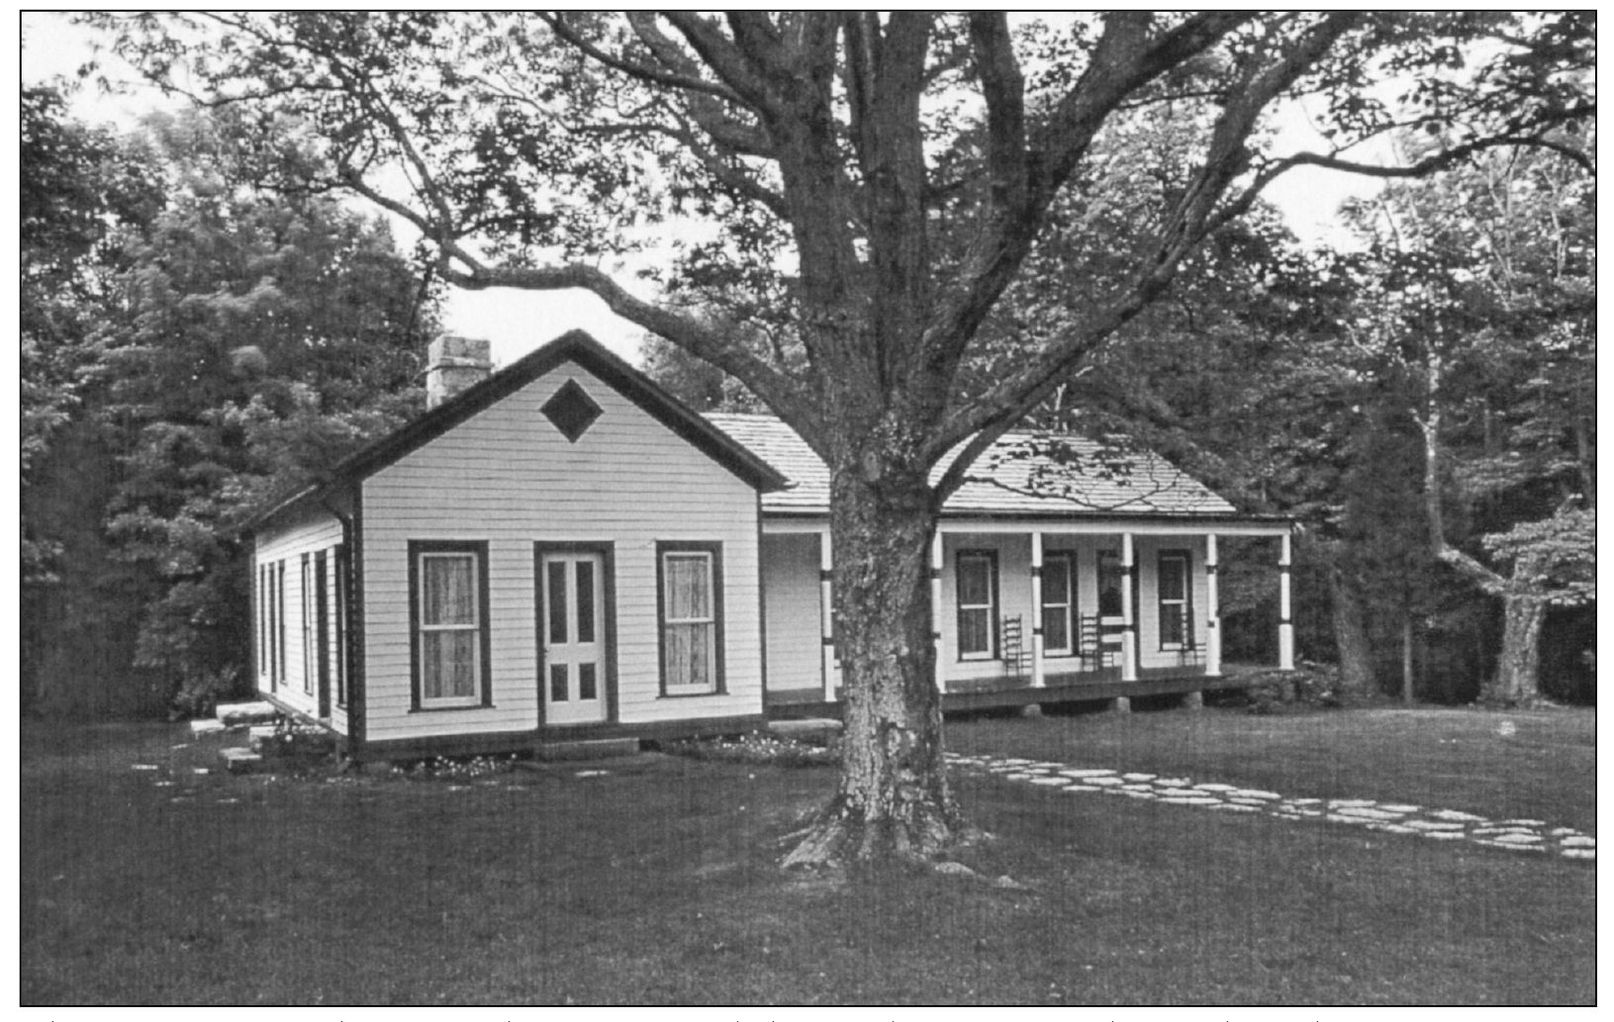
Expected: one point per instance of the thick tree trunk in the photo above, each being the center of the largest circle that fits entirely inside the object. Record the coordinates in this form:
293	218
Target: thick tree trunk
893	802
1356	680
1518	666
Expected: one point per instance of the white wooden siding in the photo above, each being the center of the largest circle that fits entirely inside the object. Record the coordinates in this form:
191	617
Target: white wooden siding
286	544
509	477
791	588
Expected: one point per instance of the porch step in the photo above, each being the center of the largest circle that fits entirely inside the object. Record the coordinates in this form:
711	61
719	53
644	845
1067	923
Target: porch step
236	714
238	760
817	730
593	748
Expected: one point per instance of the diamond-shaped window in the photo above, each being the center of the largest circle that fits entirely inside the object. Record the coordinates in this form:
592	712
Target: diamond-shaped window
571	410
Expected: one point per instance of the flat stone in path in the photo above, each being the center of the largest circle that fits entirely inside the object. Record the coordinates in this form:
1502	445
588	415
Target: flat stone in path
1518	837
1367	813
241	761
1050	781
1453	814
1434	825
1086	773
1578	841
236	714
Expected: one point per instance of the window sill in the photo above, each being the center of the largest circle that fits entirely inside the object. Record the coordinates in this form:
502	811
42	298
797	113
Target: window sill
460	708
692	694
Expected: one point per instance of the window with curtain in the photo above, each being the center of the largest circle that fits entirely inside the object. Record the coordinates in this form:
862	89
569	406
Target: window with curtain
691	620
1058	603
977	572
1175	603
450	648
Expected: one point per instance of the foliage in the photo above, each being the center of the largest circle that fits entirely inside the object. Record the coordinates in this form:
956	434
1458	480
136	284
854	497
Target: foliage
756	747
239	343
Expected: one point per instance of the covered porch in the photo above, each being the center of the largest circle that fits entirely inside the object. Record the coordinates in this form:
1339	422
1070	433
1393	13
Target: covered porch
1052	611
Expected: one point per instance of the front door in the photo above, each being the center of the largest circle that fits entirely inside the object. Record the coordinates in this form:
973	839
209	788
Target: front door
572	637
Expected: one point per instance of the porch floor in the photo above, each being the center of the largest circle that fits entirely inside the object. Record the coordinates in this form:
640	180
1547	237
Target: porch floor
1062	687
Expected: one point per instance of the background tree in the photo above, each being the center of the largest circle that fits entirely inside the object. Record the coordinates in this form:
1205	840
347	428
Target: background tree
242	338
879	181
1485	289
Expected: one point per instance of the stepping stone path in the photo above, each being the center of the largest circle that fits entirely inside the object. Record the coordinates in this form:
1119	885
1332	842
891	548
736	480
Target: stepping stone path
1385	817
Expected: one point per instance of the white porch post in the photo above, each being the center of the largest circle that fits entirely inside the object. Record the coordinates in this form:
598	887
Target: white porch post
1286	628
936	607
1213	612
1037	639
1129	624
826	612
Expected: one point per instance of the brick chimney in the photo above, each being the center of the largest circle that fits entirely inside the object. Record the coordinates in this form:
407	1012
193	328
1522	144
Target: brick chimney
453	364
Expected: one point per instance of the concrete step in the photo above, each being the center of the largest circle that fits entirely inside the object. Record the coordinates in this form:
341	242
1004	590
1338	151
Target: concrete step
241	761
817	730
594	748
236	714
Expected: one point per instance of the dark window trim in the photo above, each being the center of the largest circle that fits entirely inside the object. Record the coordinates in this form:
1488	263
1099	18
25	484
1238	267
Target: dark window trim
1187	599
262	619
322	629
340	568
479	548
607	551
992	626
715	549
305	605
1072	604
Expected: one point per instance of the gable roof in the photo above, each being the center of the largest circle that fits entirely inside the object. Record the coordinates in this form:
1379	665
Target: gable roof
575	346
1015	476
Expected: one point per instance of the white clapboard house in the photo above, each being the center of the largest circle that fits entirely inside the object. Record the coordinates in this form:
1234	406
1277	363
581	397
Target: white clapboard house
563	551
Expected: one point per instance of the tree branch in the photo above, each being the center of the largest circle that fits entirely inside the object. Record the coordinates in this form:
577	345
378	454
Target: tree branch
781	392
680	79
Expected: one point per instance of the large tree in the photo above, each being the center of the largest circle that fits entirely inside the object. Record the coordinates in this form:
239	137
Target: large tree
1483	297
875	180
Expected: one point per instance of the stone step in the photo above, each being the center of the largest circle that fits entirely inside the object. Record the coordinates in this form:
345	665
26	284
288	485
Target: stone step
241	761
818	730
593	748
236	714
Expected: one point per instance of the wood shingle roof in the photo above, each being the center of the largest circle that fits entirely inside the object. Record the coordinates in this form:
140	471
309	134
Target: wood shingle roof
1018	475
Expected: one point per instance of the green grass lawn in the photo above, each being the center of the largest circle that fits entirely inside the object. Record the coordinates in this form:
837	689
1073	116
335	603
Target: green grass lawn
655	882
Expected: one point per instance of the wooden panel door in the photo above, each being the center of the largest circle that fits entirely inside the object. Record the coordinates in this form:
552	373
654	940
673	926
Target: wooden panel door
573	637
